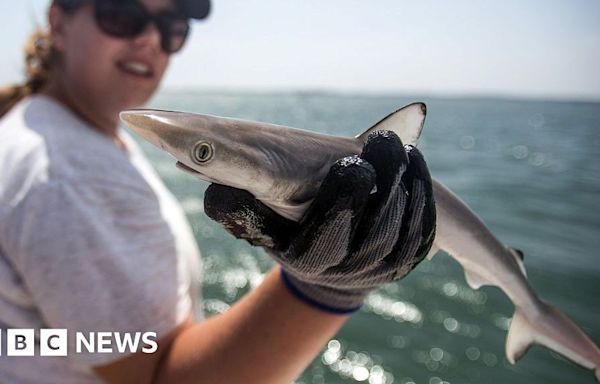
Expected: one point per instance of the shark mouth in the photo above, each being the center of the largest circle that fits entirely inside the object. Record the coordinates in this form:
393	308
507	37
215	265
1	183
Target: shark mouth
185	168
193	172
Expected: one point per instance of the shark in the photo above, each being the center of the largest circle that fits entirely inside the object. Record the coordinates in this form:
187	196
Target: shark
283	167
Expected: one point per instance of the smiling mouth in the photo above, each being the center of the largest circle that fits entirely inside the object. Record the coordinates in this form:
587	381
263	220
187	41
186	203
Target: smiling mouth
136	68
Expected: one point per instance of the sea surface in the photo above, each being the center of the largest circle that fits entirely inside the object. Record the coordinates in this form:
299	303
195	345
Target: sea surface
530	169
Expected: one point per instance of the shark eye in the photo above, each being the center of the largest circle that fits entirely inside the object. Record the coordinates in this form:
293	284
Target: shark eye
202	152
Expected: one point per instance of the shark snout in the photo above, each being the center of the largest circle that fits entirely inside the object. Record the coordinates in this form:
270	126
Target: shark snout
145	124
136	119
164	129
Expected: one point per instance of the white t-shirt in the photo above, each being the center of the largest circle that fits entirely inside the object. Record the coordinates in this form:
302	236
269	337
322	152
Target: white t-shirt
90	240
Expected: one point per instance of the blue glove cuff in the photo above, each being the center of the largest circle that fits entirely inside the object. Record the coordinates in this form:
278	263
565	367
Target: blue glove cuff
312	302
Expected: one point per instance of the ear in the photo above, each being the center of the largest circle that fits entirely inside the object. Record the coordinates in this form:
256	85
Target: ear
56	21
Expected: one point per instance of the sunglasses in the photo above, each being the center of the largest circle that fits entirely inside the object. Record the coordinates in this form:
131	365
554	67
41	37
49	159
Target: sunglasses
129	18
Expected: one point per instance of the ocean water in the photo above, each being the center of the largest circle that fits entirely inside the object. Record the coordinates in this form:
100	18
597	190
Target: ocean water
530	169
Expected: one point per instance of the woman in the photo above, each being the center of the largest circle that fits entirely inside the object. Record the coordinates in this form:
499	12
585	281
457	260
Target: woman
91	240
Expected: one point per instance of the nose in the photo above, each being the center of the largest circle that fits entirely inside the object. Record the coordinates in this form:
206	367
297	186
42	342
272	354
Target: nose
150	36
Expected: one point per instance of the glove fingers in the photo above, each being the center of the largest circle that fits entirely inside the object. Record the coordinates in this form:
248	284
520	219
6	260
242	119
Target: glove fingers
330	222
384	211
385	152
418	228
247	218
418	167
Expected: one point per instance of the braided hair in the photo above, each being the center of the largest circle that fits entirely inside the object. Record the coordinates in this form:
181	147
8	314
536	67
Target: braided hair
39	59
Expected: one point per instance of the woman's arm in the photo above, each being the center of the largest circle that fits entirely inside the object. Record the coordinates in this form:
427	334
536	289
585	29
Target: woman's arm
269	336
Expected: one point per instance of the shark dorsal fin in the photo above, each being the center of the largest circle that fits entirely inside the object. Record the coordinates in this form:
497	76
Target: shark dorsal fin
407	123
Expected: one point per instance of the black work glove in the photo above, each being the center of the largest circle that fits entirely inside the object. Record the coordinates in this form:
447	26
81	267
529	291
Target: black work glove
350	240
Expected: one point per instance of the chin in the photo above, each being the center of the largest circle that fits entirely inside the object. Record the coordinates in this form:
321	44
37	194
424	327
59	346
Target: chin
135	101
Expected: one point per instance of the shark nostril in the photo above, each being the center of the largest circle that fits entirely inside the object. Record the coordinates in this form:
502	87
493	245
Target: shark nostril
202	152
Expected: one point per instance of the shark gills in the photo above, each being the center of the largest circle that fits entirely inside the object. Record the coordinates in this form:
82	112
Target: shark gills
283	167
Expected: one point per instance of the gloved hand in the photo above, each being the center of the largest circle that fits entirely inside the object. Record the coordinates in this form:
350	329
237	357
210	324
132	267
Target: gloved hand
350	240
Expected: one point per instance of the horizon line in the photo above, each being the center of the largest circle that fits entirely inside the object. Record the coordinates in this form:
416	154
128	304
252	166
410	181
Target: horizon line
501	96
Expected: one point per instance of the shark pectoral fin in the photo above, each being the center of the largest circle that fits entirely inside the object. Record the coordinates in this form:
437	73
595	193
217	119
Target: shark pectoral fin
432	252
474	280
518	255
290	211
519	339
407	123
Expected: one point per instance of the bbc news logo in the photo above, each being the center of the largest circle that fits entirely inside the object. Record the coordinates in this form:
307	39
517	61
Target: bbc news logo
55	342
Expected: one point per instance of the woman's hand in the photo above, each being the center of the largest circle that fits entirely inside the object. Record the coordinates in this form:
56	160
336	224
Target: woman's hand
351	240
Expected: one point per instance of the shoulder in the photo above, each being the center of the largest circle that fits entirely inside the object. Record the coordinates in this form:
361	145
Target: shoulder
23	155
43	143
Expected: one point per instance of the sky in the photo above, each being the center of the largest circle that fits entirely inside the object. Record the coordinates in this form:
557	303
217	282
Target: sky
546	49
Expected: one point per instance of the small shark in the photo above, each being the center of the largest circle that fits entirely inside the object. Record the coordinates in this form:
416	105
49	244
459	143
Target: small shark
283	167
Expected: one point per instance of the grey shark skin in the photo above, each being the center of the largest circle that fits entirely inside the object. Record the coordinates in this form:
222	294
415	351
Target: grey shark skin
283	167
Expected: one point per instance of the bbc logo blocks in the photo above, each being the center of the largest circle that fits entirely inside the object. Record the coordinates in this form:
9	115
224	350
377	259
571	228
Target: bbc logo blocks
53	342
21	342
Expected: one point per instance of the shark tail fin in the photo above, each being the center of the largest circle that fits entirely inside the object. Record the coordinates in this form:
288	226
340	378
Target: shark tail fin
552	329
407	123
